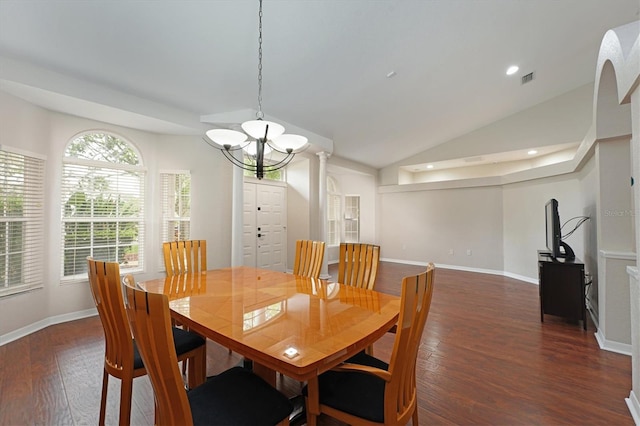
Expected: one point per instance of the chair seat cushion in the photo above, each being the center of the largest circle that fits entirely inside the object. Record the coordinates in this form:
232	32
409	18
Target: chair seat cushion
184	340
137	359
355	393
237	397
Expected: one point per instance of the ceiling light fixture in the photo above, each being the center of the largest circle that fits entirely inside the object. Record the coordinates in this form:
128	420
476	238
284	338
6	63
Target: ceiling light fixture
532	152
512	69
267	137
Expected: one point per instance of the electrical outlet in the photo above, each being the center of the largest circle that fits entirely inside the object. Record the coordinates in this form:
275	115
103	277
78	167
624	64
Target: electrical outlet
468	252
451	251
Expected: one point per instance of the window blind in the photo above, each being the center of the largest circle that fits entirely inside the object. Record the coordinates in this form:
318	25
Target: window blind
175	190
22	222
102	205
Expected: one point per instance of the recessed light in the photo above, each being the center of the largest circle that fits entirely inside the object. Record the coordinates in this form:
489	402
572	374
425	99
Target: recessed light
429	166
532	152
512	69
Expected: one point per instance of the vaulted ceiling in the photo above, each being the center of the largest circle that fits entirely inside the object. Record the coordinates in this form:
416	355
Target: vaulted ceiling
371	76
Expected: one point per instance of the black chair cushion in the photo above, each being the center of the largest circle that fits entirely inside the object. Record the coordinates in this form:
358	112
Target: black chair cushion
355	393
137	359
184	341
237	397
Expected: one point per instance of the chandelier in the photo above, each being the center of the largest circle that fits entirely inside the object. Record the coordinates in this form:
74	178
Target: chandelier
260	137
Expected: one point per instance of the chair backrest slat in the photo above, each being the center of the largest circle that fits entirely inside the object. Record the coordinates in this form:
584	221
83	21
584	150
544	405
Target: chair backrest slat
358	264
150	322
400	393
106	289
182	257
309	256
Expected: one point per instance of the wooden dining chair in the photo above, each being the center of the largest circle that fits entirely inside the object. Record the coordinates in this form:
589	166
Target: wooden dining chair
122	359
367	391
181	258
185	256
308	261
235	397
358	264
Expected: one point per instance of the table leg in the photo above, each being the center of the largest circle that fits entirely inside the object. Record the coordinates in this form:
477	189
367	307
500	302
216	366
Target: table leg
313	401
266	373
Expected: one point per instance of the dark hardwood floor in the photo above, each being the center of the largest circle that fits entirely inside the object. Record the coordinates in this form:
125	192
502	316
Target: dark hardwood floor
485	359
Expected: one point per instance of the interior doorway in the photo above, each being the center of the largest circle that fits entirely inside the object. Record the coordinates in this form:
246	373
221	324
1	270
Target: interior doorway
264	233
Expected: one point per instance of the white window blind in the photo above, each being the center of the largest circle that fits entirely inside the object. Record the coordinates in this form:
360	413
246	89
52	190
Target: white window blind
176	205
22	222
352	218
102	204
333	213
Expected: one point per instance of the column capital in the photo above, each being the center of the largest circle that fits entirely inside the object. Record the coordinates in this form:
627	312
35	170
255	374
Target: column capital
323	155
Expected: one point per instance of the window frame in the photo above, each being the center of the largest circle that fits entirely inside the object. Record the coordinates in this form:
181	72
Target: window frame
334	202
353	221
165	217
139	195
31	257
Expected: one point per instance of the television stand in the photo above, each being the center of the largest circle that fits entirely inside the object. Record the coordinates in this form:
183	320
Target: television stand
562	287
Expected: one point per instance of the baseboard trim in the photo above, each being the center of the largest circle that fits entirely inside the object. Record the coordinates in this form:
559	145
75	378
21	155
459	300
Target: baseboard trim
44	323
634	407
611	346
467	269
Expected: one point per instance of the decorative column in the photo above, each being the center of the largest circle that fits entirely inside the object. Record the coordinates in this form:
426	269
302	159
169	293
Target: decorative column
237	205
322	205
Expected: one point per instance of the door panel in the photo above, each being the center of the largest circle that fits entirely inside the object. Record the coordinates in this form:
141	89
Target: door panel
269	226
249	225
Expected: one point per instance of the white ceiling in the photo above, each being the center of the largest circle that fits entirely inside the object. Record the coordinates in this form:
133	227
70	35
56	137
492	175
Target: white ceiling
325	61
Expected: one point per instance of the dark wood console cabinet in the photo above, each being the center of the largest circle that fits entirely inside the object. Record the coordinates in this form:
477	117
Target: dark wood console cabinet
562	288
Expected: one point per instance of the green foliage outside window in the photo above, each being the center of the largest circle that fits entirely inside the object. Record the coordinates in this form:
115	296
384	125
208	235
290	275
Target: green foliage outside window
269	172
103	202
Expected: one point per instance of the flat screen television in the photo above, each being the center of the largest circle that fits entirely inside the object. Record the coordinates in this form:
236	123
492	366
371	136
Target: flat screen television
555	245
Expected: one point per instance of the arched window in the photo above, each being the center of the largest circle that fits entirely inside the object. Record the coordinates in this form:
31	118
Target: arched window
102	204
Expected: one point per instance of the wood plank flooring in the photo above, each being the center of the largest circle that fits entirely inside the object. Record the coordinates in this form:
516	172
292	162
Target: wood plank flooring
485	359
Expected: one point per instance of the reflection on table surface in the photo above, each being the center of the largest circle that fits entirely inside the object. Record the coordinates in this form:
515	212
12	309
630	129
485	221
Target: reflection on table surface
296	325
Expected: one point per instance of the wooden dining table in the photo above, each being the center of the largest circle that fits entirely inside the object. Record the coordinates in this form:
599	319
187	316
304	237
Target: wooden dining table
284	323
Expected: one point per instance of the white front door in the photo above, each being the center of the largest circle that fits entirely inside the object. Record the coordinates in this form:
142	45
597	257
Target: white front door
249	225
265	225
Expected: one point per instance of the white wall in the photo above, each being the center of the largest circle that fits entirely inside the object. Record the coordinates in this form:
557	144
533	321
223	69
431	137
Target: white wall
27	127
524	220
363	185
589	189
211	186
422	226
298	195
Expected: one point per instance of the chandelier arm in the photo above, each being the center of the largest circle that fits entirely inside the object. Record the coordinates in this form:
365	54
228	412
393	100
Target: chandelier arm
280	164
238	163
